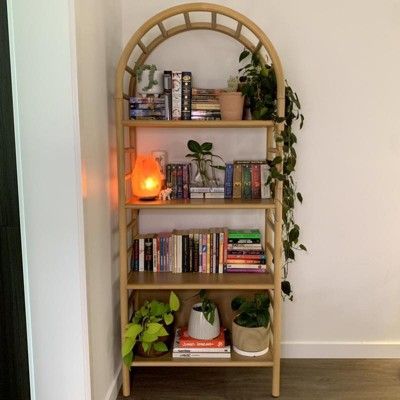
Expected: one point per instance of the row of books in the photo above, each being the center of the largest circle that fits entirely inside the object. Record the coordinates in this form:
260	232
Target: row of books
178	102
215	250
188	347
247	179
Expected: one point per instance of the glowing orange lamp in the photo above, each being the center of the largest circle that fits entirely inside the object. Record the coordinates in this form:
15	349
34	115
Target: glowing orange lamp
146	178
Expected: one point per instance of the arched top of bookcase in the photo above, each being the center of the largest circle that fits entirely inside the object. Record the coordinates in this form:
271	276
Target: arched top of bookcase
213	24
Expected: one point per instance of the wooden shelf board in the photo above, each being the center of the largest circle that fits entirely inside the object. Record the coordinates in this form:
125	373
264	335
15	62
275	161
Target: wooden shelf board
187	280
200	204
197	124
235	361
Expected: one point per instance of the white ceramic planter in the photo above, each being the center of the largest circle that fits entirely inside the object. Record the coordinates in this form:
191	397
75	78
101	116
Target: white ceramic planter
250	342
200	328
156	89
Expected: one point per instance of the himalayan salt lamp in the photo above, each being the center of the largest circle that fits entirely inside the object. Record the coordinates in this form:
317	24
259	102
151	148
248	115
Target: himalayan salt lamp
146	178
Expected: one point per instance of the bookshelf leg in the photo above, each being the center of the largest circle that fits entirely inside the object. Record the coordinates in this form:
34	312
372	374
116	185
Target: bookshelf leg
276	378
126	381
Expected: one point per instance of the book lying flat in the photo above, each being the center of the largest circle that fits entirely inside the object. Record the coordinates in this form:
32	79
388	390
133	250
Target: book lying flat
190	350
201	355
186	341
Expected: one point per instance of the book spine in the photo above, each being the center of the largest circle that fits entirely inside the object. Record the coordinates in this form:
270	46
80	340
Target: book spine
201	343
196	253
208	269
256	181
229	270
264	173
168	94
141	254
204	253
216	267
156	255
228	186
176	94
243	241
191	252
168	177
200	355
258	261
237	181
148	254
246	181
135	255
186	111
179	181
185	253
186	180
221	251
244	234
247	253
174	181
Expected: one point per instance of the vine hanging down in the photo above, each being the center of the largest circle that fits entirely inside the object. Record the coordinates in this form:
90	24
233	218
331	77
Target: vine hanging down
258	83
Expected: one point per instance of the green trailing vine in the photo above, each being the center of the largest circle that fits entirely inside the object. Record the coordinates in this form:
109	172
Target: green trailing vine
258	83
146	67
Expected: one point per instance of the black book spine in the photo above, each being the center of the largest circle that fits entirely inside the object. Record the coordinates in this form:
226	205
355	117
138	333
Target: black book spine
179	181
244	241
217	252
148	254
168	94
191	253
186	96
196	254
185	253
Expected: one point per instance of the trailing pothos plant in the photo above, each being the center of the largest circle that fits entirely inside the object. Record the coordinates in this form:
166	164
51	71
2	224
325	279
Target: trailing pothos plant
148	327
258	83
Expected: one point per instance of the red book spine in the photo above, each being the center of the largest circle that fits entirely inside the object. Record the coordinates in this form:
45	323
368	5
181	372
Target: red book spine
245	261
255	181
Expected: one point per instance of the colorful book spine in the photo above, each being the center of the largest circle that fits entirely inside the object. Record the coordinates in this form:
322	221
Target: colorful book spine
228	185
256	181
148	254
186	110
176	95
186	180
168	94
179	181
237	181
244	234
246	181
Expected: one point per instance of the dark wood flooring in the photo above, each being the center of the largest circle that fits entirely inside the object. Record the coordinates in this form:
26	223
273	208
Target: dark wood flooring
301	380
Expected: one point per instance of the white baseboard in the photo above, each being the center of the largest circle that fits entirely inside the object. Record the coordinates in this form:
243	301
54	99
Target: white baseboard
113	390
341	350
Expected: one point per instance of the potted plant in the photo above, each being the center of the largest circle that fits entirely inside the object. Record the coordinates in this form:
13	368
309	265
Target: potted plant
149	80
251	325
148	329
204	319
258	84
204	160
231	101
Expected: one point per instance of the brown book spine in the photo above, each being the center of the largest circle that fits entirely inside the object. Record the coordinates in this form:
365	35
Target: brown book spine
237	181
255	181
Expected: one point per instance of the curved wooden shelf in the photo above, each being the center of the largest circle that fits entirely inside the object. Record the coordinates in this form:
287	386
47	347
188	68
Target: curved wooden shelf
187	280
235	361
198	124
263	204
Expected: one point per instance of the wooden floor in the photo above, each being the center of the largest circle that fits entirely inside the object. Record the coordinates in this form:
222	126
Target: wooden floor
301	380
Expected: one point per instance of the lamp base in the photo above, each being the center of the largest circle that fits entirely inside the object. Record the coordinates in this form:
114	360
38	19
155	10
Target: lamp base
150	198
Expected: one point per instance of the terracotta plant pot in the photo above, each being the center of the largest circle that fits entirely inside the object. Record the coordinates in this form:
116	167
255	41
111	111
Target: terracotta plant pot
199	327
253	341
231	104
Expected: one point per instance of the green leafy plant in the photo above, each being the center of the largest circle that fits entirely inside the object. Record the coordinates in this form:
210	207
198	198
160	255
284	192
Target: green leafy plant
207	307
148	326
203	157
146	67
258	84
252	313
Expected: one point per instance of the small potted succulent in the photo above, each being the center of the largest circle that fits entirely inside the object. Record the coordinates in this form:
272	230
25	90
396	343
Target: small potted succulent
148	334
231	101
204	319
251	325
149	80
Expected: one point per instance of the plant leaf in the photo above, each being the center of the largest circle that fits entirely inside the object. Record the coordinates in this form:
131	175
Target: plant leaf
302	247
168	319
133	330
162	332
153	328
148	337
194	146
300	197
160	346
207	146
127	359
174	303
243	55
127	346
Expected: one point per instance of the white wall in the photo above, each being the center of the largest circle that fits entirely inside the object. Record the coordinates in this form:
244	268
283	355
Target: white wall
99	46
342	58
43	61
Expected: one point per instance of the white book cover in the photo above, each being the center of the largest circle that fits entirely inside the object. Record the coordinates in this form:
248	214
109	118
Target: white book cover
176	94
141	255
264	172
201	355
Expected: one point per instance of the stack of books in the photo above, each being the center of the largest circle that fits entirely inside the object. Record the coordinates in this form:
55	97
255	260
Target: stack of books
245	252
247	180
147	107
205	104
187	347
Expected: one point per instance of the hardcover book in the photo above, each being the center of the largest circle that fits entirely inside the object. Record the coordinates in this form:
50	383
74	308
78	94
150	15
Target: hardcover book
168	94
186	111
237	181
176	95
256	181
264	173
228	186
246	181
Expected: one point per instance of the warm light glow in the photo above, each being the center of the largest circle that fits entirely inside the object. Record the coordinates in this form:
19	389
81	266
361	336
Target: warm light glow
146	177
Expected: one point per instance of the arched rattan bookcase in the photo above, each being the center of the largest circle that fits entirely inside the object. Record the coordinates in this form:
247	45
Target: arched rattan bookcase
135	53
